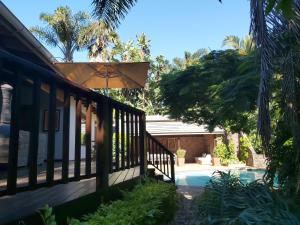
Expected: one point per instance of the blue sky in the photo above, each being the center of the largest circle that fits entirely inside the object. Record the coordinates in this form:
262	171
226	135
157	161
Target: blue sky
172	25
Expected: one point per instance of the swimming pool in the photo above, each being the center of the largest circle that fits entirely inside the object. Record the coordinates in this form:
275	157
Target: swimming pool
201	178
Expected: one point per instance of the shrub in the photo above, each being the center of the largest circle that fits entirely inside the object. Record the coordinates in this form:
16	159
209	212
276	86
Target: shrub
245	145
180	153
225	153
150	203
228	201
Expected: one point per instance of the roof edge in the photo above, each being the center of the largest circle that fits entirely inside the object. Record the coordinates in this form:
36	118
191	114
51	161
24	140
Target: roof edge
31	40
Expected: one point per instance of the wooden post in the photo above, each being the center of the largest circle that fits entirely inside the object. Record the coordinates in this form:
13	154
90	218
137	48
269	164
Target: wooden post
132	140
117	116
172	167
51	133
66	136
102	143
88	147
34	133
143	152
77	139
122	141
110	137
14	137
127	142
136	140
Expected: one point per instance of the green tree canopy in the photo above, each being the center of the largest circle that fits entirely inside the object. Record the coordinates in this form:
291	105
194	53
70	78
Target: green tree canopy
220	91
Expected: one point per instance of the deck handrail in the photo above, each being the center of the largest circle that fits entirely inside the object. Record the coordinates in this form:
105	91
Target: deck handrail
120	130
160	157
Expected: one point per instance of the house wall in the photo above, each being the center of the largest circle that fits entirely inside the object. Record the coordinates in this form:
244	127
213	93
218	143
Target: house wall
26	100
195	145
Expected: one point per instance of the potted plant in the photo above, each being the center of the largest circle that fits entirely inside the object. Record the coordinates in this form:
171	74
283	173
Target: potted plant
180	156
216	161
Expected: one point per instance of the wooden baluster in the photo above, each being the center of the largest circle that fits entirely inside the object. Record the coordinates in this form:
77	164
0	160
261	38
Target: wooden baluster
117	117
88	140
51	134
122	141
78	138
136	140
34	133
132	140
164	161
127	142
149	148
66	136
172	168
167	162
160	157
110	136
142	152
102	143
14	136
152	152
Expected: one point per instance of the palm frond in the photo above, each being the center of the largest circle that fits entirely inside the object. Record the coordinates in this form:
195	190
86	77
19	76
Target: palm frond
112	11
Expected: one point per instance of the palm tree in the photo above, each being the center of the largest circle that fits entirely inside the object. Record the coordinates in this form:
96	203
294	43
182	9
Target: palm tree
144	44
97	37
277	36
112	11
189	59
244	46
62	30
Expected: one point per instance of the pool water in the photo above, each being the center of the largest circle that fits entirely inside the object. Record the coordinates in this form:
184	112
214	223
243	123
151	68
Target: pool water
201	178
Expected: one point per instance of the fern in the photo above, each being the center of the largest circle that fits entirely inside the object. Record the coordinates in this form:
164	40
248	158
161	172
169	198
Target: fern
227	201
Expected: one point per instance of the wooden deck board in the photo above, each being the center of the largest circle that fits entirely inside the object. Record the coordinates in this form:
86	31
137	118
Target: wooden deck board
26	203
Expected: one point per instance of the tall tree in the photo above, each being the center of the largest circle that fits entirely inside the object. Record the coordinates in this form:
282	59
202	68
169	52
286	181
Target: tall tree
97	37
244	45
277	37
220	91
189	59
63	30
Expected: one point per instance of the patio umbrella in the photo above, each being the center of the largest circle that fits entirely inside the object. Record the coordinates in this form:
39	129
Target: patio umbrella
105	75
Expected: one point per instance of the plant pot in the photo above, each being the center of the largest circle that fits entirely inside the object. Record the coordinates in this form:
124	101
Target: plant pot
180	161
216	161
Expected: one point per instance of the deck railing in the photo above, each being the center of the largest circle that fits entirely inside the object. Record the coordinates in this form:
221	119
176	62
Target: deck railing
118	130
160	157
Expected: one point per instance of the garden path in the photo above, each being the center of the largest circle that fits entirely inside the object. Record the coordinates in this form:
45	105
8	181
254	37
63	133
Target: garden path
186	214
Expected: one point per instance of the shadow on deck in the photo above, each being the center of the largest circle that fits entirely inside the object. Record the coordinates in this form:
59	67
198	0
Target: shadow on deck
26	203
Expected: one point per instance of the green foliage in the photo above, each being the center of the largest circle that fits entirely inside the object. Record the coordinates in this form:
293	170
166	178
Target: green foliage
47	216
149	203
245	145
228	201
63	30
225	152
220	91
180	153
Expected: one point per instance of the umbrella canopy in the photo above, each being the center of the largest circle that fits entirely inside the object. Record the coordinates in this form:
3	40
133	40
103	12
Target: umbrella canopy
105	75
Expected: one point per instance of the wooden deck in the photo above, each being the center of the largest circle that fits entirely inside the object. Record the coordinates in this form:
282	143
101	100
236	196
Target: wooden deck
23	172
25	203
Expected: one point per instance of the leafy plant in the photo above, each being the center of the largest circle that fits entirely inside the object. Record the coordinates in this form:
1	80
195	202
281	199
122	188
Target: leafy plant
224	152
180	153
47	215
149	203
228	201
245	145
